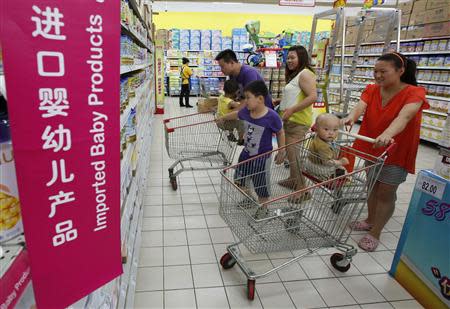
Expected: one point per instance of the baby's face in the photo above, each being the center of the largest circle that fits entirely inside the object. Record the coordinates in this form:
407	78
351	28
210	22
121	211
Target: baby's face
328	129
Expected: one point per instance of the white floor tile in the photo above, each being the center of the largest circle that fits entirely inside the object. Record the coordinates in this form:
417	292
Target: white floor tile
366	264
152	239
148	300
384	258
178	277
179	299
198	237
173	210
393	225
209	198
202	180
304	294
205	189
174	223
153	211
389	240
149	279
152	224
206	275
178	255
211	209
151	257
221	235
315	267
195	222
377	306
388	287
192	209
233	276
280	255
201	254
172	200
406	304
175	238
189	190
291	272
260	267
191	198
211	298
333	292
362	290
215	221
237	297
153	200
274	295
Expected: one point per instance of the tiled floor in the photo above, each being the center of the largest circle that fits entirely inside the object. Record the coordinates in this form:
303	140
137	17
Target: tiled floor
184	237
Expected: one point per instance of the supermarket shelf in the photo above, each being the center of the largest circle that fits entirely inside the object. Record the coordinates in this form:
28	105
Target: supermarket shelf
133	104
429	111
433	68
135	8
438	98
432	83
401	41
364	77
365	65
135	36
443	52
429	126
429	139
131	68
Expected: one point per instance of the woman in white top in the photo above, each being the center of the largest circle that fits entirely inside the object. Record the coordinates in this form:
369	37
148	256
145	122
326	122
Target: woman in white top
296	110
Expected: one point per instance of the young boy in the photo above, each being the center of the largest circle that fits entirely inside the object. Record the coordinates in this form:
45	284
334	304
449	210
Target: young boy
225	106
322	149
260	122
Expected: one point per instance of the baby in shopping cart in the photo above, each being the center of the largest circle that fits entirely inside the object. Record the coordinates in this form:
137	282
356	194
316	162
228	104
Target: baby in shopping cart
324	158
260	124
226	105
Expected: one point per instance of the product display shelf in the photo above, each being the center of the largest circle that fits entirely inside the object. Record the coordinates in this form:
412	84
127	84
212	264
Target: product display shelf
401	41
139	94
438	98
137	38
124	69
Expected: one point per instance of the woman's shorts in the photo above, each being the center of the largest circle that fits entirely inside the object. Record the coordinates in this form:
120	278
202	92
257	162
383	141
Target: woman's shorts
294	130
391	174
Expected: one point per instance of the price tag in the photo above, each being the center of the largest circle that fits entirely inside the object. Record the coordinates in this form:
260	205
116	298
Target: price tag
430	186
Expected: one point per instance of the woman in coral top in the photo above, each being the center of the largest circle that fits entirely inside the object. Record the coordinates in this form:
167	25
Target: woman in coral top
392	110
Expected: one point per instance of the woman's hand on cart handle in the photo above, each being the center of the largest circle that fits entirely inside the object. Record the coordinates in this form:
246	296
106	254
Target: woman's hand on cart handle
280	156
383	140
220	120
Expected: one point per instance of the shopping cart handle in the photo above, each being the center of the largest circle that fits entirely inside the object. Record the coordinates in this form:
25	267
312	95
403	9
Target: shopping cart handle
358	136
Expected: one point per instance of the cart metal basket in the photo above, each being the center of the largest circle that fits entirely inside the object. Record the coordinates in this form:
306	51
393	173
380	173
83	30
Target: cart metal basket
302	221
197	138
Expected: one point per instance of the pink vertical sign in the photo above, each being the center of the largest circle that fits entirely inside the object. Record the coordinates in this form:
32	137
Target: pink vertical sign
62	69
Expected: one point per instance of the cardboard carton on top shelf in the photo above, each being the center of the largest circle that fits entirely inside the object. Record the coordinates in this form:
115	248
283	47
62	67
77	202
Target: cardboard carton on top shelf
419	6
433	4
405	20
415	32
437	15
417	18
436	29
406	7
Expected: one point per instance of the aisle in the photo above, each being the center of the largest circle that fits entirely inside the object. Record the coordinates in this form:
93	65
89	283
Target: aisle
184	237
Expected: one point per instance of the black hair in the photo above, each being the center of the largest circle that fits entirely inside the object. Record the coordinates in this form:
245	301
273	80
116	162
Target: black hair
303	62
230	87
227	55
257	88
400	61
185	60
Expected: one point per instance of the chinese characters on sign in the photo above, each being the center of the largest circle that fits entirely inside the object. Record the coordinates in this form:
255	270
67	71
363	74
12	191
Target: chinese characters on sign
54	103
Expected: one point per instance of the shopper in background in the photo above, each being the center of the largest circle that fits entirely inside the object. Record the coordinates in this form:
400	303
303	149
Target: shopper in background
296	111
185	75
392	110
242	73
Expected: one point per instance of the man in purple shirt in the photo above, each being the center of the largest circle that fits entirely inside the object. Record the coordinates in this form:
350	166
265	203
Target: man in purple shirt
242	73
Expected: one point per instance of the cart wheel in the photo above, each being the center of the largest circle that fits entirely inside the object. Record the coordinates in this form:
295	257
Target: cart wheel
251	289
173	182
336	257
227	261
170	172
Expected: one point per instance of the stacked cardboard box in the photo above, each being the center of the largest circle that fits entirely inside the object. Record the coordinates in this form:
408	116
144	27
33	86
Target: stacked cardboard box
427	18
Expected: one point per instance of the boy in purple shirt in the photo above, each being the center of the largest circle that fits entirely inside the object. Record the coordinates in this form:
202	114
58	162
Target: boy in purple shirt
260	123
242	73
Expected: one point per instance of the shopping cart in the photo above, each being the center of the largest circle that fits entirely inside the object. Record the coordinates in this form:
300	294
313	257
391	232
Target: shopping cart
196	138
299	222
